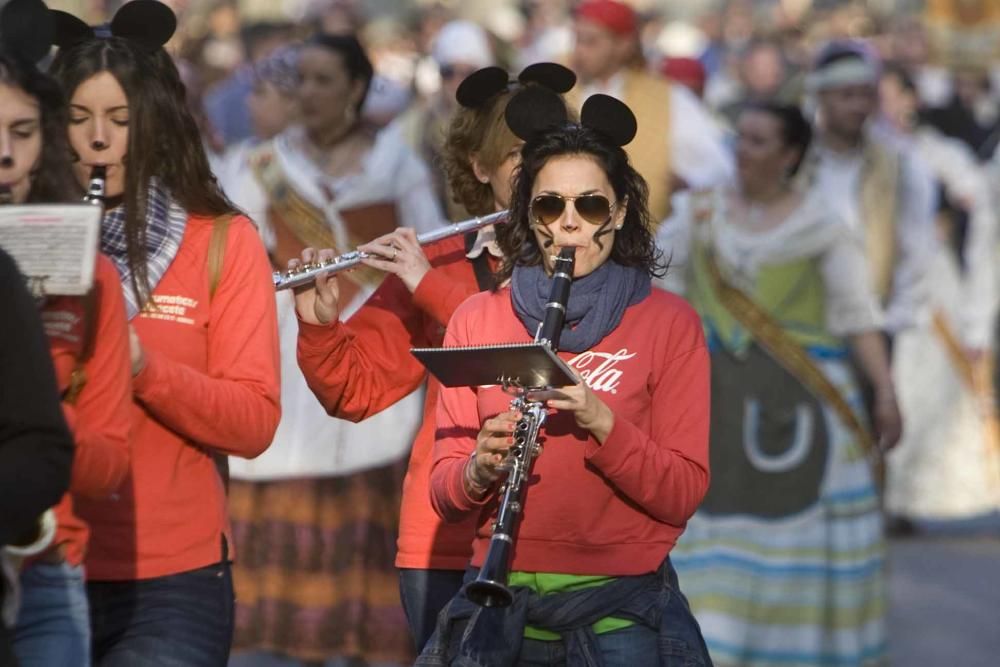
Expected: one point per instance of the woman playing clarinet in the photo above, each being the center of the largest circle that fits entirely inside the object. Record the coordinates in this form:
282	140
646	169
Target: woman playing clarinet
203	344
625	451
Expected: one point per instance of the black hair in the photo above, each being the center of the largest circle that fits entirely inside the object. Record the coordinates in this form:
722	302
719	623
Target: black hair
901	75
796	132
359	67
633	245
52	179
163	140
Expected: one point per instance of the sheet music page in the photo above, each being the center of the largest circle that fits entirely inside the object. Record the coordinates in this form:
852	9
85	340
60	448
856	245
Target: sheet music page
55	245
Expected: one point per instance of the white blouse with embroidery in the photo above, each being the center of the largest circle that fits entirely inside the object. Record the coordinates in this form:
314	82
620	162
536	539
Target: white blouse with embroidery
811	230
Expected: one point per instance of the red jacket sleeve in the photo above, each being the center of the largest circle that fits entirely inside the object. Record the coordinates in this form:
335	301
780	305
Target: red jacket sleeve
102	413
363	366
234	408
458	425
666	474
439	294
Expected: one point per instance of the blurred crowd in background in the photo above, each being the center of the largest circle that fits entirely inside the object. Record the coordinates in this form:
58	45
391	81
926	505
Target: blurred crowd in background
938	95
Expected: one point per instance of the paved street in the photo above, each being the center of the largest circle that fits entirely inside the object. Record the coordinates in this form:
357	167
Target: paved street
944	589
945	598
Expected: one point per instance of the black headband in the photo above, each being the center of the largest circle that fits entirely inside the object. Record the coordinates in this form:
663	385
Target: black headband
477	88
536	110
26	30
149	23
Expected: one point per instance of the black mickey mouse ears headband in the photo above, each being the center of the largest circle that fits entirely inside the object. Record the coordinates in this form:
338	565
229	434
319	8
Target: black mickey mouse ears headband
477	88
149	23
26	30
536	110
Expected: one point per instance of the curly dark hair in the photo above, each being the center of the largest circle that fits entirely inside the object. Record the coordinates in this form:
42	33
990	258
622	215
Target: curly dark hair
52	178
163	139
634	245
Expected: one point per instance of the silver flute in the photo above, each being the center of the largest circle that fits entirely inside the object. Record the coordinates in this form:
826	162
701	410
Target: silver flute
307	273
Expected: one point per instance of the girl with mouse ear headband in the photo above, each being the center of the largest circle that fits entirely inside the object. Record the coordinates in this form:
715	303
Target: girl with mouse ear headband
625	459
202	339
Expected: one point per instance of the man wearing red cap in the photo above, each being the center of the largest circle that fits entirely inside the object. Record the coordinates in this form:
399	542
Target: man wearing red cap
678	144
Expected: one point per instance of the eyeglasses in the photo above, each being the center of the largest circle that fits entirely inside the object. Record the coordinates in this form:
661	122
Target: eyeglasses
594	208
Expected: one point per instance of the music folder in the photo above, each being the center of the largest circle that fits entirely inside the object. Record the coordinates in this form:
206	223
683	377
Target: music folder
526	365
54	245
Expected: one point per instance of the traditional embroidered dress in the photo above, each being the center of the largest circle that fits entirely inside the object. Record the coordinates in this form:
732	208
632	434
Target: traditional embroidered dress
783	562
948	463
315	519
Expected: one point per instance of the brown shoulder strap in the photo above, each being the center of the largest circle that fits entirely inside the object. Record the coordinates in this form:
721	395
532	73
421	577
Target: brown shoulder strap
784	350
217	251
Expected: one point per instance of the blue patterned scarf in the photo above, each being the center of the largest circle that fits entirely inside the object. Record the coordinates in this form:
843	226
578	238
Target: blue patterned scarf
597	301
165	223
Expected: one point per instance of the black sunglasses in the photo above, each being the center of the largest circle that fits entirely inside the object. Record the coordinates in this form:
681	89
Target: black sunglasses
595	208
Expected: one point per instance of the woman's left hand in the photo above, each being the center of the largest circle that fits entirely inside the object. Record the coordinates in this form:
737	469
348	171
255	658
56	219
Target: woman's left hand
137	353
589	411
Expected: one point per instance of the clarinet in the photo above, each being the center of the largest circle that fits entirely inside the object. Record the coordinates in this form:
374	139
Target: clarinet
490	587
97	186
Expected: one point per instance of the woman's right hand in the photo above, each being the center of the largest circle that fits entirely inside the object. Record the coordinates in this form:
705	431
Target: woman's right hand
319	302
492	444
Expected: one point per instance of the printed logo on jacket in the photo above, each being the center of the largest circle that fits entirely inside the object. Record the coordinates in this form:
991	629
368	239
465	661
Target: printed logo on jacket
600	369
172	308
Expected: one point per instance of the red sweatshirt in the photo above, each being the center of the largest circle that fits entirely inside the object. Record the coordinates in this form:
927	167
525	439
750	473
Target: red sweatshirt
99	420
209	388
363	366
591	509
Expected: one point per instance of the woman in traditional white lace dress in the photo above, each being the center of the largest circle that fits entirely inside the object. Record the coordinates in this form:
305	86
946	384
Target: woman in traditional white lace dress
783	563
949	464
315	519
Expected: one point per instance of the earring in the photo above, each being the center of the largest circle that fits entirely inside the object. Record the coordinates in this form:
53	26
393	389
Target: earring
618	227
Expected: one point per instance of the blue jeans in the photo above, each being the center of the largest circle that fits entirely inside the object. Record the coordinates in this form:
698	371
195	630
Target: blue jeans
53	624
181	620
634	646
424	594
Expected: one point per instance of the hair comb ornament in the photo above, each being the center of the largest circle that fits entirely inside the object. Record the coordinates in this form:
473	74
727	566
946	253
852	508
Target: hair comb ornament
26	30
483	84
149	23
535	110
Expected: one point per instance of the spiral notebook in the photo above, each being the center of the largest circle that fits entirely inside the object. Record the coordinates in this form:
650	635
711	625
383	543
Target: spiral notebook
528	365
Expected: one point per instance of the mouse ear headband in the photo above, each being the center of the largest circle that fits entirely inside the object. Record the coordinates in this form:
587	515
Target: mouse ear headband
26	30
149	23
477	88
535	110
